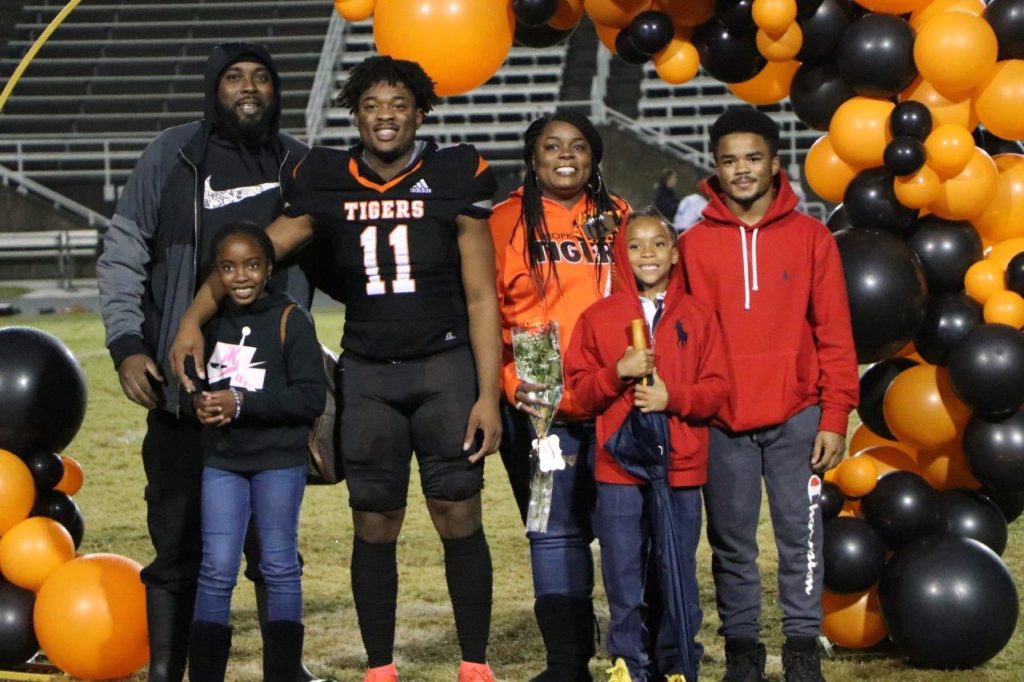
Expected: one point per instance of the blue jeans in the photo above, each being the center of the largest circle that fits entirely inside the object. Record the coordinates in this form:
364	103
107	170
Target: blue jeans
561	557
273	498
622	522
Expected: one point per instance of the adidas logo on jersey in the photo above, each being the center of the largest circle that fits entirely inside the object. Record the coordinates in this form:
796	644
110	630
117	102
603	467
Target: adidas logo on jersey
421	187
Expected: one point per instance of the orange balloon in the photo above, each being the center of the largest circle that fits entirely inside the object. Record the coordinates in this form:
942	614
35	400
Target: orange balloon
917	190
567	14
459	43
617	13
888	459
826	173
859	131
921	409
770	85
856	476
967	194
949	148
71	482
689	13
355	10
864	438
854	620
1005	307
955	51
945	468
1002	253
90	617
774	16
782	48
35	548
984	279
17	491
893	6
933	9
607	35
1004	216
678	62
850	508
1000	99
955	108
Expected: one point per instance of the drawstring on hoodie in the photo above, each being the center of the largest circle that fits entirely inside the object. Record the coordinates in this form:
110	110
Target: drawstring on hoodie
749	265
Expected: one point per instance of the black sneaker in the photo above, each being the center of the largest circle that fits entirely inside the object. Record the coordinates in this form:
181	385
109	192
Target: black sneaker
744	660
801	661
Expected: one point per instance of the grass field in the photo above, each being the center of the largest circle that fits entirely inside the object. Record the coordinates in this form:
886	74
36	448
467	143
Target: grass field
108	448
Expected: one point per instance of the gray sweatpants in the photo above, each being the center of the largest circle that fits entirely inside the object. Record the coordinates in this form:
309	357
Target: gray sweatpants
732	499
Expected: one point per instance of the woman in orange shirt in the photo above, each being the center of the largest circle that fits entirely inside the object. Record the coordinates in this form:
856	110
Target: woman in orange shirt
553	243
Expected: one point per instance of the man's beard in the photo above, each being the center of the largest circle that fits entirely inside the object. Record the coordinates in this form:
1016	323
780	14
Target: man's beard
249	130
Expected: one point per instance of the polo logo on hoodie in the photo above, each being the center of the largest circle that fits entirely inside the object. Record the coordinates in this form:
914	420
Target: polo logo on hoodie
680	333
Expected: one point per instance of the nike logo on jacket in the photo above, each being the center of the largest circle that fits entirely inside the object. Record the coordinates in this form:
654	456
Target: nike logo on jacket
213	198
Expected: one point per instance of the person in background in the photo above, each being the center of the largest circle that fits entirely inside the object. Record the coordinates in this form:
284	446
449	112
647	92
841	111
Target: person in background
665	198
689	212
775	279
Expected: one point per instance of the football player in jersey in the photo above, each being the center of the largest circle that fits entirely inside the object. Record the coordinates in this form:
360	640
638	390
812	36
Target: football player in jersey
401	228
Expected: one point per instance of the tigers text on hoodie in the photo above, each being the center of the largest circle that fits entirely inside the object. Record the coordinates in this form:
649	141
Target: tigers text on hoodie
779	292
689	356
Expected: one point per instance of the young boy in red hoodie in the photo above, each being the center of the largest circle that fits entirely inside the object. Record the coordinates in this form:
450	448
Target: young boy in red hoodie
686	361
775	278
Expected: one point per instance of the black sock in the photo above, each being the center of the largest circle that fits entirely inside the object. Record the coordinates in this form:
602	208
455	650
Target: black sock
467	566
375	592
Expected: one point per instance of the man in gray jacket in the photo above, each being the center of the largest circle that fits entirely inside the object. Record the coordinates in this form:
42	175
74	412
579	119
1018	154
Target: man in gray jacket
190	181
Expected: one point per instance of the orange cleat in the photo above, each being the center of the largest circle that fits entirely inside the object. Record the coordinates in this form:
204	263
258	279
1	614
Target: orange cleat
475	672
382	673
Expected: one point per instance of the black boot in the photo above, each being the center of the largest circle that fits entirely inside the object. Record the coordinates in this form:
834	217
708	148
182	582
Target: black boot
567	626
801	661
168	617
209	645
744	660
302	673
282	650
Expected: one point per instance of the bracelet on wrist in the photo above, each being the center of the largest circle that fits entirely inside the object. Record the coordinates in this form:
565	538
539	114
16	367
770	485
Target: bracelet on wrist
237	395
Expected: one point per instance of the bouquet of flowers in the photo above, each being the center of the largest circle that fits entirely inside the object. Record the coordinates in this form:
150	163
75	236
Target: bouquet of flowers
538	360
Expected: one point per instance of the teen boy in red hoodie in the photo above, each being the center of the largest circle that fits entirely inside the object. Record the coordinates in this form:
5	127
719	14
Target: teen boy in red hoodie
687	361
774	276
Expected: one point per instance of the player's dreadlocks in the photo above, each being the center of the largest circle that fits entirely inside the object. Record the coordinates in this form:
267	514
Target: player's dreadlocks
384	69
599	200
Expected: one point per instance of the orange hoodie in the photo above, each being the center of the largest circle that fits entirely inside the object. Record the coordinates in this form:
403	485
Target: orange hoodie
779	291
583	276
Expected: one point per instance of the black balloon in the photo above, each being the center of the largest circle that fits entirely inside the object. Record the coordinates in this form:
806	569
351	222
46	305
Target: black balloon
726	56
886	289
873	385
973	516
837	220
910	119
47	469
948	602
902	507
534	12
58	506
986	367
42	391
993	144
823	29
735	15
816	92
949	318
805	8
1006	17
1010	502
541	36
904	155
870	202
947	248
17	633
626	50
876	55
831	500
651	31
853	553
994	451
1015	274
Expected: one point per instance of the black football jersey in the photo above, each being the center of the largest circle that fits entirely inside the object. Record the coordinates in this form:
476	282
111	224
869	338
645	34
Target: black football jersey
389	250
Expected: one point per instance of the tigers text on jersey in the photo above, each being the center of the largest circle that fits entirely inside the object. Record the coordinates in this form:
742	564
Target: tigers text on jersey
389	250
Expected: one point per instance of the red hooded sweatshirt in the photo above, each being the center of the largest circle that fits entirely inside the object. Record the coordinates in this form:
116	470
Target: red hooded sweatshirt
689	354
779	291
